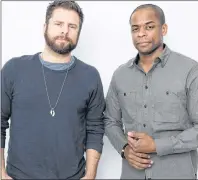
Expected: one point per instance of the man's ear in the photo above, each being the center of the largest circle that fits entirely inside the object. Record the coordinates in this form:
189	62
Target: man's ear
44	28
164	29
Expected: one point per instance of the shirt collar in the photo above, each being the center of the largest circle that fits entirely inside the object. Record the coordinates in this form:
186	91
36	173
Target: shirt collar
163	57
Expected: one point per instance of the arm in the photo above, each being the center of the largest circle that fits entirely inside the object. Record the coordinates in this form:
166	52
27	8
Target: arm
92	160
94	129
113	123
2	160
188	139
4	175
6	96
114	131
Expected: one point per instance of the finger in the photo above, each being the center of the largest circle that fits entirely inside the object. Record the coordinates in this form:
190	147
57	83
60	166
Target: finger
136	167
133	164
139	165
132	141
136	135
142	155
132	134
132	156
134	146
131	145
142	160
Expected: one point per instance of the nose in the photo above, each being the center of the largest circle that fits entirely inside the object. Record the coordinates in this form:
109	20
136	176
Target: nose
64	29
142	32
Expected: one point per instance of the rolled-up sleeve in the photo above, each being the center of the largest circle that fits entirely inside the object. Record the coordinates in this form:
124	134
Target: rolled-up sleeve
188	139
95	117
113	118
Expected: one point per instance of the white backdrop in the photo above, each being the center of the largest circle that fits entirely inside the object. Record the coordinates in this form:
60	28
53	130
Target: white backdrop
105	41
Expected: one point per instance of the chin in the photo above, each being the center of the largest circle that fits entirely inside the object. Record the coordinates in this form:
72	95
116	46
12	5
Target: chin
145	52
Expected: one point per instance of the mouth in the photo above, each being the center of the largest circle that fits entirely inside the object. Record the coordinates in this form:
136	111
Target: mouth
60	39
143	43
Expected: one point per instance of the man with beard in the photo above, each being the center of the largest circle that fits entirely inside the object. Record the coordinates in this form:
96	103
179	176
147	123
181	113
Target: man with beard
55	103
151	115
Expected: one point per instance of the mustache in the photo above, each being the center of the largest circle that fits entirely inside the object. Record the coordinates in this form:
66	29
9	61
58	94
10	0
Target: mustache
63	38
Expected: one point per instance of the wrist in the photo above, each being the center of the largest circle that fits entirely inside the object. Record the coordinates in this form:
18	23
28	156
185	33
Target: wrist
154	147
123	151
3	173
90	176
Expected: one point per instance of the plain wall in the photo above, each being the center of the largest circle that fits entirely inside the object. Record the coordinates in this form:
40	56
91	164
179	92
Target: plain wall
105	42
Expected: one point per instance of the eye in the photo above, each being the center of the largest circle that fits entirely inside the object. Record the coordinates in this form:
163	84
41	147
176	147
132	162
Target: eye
72	26
149	27
58	24
134	29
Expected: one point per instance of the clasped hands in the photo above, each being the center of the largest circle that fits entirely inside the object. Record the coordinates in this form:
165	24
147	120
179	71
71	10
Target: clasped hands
140	145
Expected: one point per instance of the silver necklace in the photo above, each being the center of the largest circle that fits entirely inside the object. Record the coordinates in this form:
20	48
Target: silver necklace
52	109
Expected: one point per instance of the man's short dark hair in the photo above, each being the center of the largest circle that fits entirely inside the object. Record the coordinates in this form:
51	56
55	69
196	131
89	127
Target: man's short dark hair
157	9
69	5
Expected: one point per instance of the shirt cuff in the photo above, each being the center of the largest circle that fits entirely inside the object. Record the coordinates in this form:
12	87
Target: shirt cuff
164	146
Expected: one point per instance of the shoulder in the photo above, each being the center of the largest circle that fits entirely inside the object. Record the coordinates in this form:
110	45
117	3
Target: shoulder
16	62
183	60
87	69
124	67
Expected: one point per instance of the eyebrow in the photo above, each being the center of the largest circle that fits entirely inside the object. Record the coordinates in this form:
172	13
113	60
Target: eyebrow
56	21
73	24
149	22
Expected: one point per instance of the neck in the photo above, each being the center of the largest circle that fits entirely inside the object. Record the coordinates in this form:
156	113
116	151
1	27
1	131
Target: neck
148	60
51	56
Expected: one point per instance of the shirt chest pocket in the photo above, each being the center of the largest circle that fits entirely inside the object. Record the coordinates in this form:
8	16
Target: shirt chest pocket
128	103
169	106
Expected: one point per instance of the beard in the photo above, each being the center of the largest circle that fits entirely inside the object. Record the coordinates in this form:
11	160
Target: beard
60	48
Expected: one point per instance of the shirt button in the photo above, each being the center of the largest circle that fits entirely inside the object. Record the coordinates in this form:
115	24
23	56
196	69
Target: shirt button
145	106
146	87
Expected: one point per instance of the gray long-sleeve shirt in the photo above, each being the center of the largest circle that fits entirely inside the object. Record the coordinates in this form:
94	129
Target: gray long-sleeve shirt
162	103
42	146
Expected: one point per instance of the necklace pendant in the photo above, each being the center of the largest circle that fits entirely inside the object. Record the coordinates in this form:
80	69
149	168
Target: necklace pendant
52	112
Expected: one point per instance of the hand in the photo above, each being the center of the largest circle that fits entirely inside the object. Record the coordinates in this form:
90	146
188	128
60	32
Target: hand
139	161
88	177
4	175
141	142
